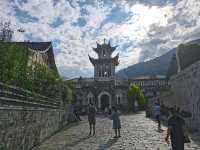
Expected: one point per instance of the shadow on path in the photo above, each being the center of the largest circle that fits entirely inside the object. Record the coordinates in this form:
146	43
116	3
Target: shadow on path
76	142
108	144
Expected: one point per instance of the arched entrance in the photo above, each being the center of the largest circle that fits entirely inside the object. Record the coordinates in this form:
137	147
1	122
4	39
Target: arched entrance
104	100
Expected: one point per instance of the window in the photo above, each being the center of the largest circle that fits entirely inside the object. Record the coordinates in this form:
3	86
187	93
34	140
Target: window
109	73
118	100
104	54
90	98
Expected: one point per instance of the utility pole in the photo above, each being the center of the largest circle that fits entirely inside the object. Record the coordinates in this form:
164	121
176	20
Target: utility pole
6	33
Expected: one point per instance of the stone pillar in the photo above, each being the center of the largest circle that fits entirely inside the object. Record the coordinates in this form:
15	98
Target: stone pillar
95	70
100	71
103	71
111	69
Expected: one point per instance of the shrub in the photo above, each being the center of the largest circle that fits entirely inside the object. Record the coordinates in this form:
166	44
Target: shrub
134	93
16	70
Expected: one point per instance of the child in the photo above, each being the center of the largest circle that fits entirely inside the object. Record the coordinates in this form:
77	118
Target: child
116	121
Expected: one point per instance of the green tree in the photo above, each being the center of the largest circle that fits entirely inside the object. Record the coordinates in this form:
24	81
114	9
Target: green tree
37	78
66	91
135	94
13	62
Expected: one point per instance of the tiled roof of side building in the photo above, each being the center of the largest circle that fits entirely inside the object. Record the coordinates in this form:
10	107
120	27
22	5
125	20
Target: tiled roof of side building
42	46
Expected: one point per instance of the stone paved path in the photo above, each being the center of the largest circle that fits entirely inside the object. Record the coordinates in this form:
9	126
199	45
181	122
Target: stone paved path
138	133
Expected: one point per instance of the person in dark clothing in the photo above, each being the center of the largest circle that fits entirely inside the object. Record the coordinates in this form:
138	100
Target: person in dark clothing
162	108
77	114
91	118
175	130
157	111
109	111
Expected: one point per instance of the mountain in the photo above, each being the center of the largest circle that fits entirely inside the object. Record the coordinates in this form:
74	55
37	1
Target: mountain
157	66
164	65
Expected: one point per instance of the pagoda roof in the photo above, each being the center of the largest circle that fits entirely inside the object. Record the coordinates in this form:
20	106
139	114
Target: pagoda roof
113	60
100	47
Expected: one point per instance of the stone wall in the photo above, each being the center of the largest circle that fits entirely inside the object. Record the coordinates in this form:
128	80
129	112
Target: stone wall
25	128
186	92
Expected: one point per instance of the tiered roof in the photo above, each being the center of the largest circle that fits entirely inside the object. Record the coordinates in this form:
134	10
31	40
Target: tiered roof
113	60
109	49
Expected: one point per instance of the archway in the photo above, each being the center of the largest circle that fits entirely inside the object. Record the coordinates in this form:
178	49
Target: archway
90	98
104	100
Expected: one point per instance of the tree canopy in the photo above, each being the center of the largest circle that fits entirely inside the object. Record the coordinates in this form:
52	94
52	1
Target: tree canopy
135	94
37	78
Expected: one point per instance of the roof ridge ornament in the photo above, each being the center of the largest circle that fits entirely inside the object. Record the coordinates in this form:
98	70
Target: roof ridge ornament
98	45
38	51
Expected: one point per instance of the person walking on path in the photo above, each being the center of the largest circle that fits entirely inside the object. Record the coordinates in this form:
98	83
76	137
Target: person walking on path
77	113
157	115
92	118
116	121
175	131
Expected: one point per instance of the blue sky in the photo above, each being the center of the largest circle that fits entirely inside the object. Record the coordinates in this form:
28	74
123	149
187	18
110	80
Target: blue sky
142	29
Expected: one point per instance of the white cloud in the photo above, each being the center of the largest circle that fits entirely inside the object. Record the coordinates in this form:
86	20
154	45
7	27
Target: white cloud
96	15
150	30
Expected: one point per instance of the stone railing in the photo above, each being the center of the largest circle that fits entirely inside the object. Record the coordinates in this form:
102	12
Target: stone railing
11	95
27	119
119	82
155	83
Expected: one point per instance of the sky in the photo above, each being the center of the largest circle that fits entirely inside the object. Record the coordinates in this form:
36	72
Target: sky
142	29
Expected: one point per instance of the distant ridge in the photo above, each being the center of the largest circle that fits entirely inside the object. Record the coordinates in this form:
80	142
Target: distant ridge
157	66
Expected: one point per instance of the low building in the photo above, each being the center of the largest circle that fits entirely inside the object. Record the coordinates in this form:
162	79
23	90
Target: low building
151	86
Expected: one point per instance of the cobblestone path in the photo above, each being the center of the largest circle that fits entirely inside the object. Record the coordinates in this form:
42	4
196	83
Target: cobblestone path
138	133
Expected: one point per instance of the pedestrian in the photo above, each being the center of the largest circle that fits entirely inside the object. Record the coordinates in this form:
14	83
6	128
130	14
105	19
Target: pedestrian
178	109
106	111
162	108
77	113
116	121
109	111
92	118
157	114
176	127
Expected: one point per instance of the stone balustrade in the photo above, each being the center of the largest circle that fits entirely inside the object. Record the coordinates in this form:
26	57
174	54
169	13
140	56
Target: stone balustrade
27	119
10	95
